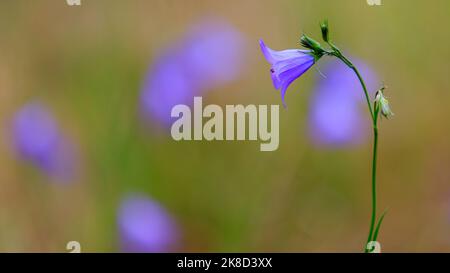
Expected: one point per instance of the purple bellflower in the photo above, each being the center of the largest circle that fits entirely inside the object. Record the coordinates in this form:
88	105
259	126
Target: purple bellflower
287	66
336	115
145	226
210	55
37	139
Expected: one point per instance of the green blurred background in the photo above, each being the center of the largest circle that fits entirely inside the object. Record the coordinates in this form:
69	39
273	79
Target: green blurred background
88	63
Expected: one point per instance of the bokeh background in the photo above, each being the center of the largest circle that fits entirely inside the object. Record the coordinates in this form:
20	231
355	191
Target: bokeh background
86	156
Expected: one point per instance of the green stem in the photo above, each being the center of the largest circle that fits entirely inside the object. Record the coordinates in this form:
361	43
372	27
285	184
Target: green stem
374	182
374	116
361	80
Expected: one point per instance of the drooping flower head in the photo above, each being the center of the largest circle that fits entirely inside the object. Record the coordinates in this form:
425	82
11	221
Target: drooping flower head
37	139
208	56
337	105
145	226
287	65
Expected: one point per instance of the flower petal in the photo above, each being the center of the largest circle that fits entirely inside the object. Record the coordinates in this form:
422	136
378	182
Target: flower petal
273	56
287	77
276	82
287	66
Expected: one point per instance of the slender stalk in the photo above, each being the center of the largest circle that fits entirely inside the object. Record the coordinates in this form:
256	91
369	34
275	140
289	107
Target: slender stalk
365	92
337	53
374	116
374	182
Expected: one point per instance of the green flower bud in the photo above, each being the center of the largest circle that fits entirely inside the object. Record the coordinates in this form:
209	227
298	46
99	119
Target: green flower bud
325	31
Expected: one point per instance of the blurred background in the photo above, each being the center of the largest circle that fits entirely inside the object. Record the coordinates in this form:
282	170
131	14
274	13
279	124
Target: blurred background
86	153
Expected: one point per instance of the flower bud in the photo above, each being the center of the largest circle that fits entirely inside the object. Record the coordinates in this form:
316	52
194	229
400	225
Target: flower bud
325	30
383	104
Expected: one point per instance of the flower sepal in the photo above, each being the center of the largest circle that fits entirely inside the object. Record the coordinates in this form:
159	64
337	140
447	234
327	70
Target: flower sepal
316	49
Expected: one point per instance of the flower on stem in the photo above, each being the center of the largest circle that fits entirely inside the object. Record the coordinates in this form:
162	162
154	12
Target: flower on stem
287	65
382	104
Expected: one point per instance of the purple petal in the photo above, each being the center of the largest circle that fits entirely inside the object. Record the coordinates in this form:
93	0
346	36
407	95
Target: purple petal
276	82
287	66
287	77
273	56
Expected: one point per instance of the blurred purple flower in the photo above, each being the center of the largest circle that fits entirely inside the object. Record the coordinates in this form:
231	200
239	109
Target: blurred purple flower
145	226
167	85
286	66
213	53
209	56
337	116
36	138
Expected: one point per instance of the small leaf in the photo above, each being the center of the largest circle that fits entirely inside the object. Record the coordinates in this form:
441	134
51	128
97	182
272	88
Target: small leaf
377	229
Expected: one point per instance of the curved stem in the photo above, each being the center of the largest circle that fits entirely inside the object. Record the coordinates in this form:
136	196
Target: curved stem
374	116
338	54
365	91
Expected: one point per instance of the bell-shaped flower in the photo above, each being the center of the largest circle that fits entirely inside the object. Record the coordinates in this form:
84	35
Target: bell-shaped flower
287	65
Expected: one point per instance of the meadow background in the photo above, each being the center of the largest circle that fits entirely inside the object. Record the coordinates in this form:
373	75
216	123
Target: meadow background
87	65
